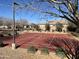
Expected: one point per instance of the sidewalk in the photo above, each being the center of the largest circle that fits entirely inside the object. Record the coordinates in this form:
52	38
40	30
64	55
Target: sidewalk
43	32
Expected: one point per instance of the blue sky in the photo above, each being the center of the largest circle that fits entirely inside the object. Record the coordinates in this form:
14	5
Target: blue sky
26	13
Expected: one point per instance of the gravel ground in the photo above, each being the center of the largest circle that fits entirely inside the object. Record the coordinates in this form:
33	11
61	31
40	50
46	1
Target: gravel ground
20	53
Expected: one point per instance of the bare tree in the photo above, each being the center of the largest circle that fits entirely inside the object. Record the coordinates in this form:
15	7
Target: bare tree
71	27
70	11
5	21
47	27
70	47
22	22
1	22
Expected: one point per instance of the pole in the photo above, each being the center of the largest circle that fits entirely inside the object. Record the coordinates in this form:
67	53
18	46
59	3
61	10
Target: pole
13	44
13	23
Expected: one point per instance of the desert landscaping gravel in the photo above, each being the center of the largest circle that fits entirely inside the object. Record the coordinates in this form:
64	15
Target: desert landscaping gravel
20	53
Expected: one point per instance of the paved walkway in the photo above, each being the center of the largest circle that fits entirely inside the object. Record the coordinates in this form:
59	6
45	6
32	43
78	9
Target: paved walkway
43	32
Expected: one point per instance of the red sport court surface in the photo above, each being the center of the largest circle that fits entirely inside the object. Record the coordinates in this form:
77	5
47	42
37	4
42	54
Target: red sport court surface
35	39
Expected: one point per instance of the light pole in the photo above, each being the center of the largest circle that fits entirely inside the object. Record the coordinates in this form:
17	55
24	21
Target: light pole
14	27
14	43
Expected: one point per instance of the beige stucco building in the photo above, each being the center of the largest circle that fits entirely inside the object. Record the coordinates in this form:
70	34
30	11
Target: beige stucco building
53	23
42	27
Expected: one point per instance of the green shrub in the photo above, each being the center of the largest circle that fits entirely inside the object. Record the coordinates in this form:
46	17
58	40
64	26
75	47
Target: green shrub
1	35
9	33
1	44
32	49
60	53
45	50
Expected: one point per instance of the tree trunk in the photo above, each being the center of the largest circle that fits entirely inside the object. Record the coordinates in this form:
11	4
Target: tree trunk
77	30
